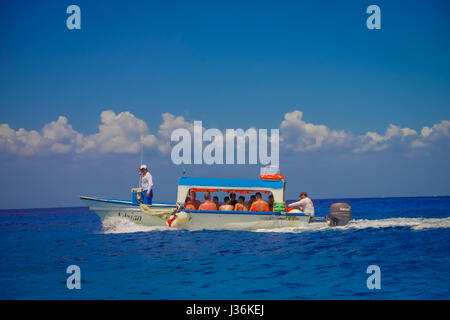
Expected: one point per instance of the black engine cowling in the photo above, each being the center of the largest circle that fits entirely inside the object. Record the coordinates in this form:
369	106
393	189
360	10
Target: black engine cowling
340	214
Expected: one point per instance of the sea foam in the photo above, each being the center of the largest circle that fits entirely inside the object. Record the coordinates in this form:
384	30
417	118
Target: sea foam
115	224
124	225
412	223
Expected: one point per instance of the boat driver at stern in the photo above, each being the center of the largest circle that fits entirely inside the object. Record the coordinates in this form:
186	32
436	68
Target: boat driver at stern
306	205
147	184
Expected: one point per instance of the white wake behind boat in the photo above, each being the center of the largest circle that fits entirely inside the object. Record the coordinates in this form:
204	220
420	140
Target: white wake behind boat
175	215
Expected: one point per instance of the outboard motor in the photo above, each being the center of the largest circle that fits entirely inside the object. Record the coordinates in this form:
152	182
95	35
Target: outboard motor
340	214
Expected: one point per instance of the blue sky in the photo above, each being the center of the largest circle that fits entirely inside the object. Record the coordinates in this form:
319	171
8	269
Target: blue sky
231	64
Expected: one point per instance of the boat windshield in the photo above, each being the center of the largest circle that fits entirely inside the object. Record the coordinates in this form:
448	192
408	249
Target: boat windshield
229	200
229	190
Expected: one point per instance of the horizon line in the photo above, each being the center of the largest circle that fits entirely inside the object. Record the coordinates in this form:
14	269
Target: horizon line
381	197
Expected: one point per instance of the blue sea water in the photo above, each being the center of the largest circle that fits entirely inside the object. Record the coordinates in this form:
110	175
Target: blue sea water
408	238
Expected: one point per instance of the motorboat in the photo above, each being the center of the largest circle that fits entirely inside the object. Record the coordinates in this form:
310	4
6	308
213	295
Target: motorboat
175	215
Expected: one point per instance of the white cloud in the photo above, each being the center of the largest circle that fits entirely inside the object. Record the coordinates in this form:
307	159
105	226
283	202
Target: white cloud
438	131
117	133
418	144
428	136
298	135
168	125
124	133
394	136
56	137
121	133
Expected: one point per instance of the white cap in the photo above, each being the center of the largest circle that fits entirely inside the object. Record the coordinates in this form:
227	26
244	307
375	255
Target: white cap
143	166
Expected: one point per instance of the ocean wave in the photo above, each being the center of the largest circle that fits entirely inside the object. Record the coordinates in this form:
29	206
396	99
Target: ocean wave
115	224
412	223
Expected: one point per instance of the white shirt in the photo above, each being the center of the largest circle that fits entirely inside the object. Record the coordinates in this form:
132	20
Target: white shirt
147	182
305	204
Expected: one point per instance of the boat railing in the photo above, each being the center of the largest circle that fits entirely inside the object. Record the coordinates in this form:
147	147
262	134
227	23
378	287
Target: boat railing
268	213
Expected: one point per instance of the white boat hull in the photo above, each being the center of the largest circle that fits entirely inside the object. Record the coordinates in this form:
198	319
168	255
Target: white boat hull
241	221
197	220
126	209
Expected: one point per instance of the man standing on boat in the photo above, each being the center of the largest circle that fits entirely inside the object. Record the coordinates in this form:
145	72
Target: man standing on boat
147	184
306	205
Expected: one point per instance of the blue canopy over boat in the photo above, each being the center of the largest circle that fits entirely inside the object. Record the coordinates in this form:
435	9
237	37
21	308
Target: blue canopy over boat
231	183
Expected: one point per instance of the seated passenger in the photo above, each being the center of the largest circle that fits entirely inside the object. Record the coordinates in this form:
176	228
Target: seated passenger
226	205
188	204
259	204
252	199
271	201
207	205
195	202
233	200
216	201
305	205
240	205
